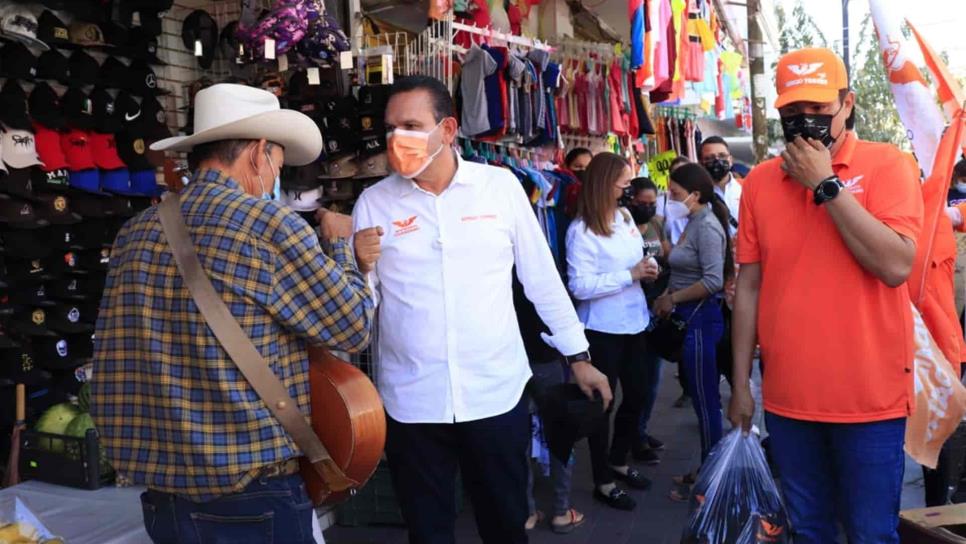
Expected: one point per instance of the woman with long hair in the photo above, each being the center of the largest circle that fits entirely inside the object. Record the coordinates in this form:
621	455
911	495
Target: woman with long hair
700	263
605	264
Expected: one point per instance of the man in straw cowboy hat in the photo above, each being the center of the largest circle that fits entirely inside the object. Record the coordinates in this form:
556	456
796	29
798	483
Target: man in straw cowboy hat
172	408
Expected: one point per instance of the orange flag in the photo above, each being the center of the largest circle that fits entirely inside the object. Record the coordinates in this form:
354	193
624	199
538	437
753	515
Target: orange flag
950	93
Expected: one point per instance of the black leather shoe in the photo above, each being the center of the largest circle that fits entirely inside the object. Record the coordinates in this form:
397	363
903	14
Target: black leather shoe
618	498
648	456
633	478
653	443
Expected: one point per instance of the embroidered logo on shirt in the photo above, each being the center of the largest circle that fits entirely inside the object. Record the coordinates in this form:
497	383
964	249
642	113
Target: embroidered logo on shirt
405	226
852	184
472	218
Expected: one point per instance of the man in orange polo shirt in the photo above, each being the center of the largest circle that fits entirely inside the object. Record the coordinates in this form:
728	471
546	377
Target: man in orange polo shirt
825	244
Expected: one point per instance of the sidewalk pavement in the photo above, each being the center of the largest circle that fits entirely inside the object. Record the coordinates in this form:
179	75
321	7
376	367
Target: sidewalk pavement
657	520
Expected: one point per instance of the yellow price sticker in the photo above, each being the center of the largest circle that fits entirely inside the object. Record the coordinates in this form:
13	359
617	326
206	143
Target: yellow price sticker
659	168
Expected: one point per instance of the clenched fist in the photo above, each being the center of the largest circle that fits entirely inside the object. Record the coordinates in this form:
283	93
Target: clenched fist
368	248
333	224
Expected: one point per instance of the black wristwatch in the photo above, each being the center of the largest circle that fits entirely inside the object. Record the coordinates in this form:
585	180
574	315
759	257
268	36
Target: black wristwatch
582	357
828	189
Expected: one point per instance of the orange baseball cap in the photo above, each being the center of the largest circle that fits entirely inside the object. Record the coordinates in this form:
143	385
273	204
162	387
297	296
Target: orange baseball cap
813	74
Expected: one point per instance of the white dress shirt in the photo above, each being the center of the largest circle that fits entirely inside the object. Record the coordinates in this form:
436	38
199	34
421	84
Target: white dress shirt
731	194
449	347
600	279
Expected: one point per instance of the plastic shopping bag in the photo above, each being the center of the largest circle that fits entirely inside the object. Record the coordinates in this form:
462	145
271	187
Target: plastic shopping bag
735	500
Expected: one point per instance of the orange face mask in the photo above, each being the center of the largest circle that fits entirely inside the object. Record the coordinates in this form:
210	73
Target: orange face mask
409	151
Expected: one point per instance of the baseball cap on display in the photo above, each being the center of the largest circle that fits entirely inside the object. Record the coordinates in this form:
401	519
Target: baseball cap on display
374	98
77	287
337	144
301	200
55	209
19	213
302	178
87	34
142	81
53	65
13	106
57	181
82	68
373	146
52	31
49	152
813	74
143	46
341	168
68	318
112	73
94	260
107	118
132	148
62	352
89	207
19	183
117	181
200	29
376	166
31	295
25	244
78	109
45	107
19	148
153	120
19	23
144	183
17	62
21	271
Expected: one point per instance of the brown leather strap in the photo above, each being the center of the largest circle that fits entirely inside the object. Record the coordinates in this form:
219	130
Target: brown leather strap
241	349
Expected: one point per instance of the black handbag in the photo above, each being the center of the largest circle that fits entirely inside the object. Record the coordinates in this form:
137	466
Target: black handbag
666	335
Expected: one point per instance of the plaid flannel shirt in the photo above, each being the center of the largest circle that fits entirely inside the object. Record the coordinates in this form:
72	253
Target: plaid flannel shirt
173	410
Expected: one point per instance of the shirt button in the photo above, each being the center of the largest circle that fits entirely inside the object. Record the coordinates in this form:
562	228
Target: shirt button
438	243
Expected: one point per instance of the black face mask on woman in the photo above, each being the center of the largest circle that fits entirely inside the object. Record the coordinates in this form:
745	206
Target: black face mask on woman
642	213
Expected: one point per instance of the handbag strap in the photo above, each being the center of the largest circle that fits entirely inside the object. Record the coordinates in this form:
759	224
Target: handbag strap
241	349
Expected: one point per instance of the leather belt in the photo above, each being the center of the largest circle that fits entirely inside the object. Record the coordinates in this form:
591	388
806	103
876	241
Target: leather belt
285	468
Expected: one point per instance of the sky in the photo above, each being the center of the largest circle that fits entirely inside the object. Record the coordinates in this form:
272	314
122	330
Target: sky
943	22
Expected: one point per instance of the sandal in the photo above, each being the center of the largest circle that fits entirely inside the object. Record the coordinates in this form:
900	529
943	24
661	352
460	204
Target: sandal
690	478
569	527
533	520
680	494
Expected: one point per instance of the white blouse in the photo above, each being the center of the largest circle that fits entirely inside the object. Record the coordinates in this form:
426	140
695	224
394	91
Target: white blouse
599	276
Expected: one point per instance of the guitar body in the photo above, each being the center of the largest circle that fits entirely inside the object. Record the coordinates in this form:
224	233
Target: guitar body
348	416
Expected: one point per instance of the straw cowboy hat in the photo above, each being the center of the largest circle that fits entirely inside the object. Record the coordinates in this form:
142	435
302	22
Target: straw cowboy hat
227	111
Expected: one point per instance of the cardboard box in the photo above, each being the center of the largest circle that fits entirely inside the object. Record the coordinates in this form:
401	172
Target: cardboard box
938	525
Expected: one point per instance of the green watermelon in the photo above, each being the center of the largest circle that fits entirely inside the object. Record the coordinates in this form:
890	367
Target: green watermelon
79	425
55	421
84	398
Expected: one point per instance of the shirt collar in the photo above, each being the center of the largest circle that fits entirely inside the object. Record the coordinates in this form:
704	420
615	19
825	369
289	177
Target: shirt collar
210	175
844	155
408	186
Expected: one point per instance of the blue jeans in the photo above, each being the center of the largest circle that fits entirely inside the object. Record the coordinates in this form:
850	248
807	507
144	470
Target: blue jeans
652	382
846	472
700	366
269	510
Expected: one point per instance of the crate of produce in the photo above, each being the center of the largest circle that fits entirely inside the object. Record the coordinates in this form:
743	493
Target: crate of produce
377	504
63	448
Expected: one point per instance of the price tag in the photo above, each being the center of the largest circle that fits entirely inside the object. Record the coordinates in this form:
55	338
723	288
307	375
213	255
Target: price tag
345	60
387	75
313	76
660	167
269	49
283	63
199	49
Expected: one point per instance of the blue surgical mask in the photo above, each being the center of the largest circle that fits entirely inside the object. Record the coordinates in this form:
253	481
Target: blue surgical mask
277	185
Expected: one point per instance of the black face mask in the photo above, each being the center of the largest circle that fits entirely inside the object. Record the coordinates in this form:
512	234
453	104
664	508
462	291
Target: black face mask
809	125
642	213
718	168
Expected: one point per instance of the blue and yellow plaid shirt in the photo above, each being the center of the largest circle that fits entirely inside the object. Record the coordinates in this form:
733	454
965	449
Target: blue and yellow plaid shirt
172	408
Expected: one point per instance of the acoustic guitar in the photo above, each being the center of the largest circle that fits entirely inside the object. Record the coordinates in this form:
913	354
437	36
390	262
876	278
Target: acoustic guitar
348	417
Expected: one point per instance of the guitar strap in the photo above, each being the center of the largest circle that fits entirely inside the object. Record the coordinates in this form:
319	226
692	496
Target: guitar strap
241	349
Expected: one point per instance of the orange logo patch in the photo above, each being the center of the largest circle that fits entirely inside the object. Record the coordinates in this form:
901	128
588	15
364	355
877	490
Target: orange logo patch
405	226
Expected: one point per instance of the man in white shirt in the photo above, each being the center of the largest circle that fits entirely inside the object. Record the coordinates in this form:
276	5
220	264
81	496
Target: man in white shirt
716	159
451	363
